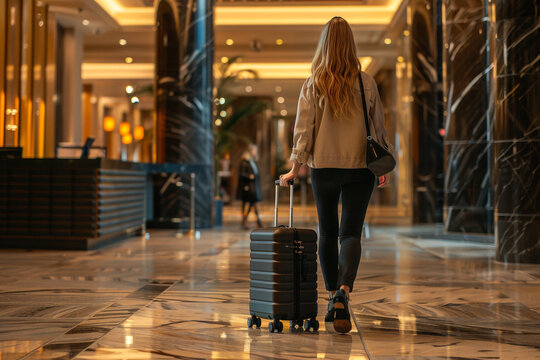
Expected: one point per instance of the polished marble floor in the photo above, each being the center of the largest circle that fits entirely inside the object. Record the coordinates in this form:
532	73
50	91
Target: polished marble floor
184	298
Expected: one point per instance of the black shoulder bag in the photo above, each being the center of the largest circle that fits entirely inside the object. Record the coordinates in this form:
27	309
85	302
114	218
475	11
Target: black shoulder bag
378	159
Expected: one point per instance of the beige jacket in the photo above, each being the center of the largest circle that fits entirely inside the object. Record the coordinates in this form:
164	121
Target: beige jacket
321	141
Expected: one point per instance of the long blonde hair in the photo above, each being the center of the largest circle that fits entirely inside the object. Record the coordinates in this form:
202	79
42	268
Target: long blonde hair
335	67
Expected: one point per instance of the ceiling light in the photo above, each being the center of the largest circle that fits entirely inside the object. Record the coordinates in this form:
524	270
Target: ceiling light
129	59
283	112
135	100
85	22
223	113
400	59
406	32
122	42
279	41
278	89
222	101
127	139
281	99
224	59
124	128
138	132
387	41
229	42
218	122
129	89
249	89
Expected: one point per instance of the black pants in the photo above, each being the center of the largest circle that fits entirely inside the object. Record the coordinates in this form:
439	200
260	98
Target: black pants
354	186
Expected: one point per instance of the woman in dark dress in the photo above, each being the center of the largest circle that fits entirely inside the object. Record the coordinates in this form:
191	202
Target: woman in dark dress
249	188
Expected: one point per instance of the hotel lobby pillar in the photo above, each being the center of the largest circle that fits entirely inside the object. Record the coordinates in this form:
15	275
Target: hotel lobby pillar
426	142
468	120
184	83
516	174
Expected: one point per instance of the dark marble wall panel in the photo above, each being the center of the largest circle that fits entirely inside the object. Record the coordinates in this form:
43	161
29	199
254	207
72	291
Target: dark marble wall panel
427	117
515	35
468	117
184	81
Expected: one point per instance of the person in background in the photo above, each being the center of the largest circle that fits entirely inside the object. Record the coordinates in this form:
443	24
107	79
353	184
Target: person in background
330	136
249	188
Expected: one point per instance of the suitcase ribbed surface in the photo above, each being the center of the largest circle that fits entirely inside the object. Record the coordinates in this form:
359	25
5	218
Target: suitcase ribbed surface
272	273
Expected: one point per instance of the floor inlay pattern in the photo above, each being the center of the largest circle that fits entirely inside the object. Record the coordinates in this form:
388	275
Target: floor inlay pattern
182	298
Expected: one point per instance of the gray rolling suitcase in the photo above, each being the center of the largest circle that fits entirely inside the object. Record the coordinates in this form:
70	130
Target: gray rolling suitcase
283	274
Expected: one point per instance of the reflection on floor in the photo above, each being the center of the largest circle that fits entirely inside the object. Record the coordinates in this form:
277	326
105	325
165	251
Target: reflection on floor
175	298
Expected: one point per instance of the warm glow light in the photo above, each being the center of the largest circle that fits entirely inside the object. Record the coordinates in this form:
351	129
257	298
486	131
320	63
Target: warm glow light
135	100
129	89
127	139
400	59
279	42
128	60
138	133
406	32
224	59
281	99
278	89
283	112
264	15
109	123
122	42
85	22
223	113
387	41
229	42
218	122
125	128
249	89
442	132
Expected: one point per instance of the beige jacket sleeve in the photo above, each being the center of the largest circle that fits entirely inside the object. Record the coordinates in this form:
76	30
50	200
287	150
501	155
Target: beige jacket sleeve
376	115
304	126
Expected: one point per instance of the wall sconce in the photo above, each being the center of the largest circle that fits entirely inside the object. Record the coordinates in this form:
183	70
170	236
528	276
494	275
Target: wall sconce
127	139
109	123
125	128
138	133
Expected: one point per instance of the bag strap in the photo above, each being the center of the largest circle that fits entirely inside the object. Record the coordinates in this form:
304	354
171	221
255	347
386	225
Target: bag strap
364	105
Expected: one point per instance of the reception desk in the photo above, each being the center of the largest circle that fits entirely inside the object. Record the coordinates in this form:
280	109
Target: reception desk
74	204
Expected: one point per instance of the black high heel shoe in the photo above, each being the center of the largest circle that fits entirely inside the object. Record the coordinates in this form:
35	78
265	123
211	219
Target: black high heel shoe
338	312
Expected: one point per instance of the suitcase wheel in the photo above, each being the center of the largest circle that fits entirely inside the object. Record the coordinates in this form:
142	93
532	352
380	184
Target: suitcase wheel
254	321
311	324
276	326
295	324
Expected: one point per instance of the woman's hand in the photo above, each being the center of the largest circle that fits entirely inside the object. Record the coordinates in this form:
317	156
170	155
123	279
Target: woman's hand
285	178
383	180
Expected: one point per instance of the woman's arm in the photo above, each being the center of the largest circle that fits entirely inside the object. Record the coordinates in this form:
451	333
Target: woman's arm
304	126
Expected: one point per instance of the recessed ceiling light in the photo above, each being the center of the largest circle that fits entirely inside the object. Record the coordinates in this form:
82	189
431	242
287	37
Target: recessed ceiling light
249	89
224	59
406	32
387	41
278	89
283	112
229	42
129	89
122	42
223	113
85	22
129	59
281	99
400	59
135	100
279	41
218	122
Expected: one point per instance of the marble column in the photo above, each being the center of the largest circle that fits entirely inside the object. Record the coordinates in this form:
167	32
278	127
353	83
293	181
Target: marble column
184	82
516	33
468	117
427	118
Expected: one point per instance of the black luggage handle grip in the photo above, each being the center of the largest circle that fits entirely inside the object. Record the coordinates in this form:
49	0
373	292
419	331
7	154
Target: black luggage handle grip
291	188
277	182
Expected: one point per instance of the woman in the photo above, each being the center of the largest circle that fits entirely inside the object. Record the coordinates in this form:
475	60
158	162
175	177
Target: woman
249	189
330	137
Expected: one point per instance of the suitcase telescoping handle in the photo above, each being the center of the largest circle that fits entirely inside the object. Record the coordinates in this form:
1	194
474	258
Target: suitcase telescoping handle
291	185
